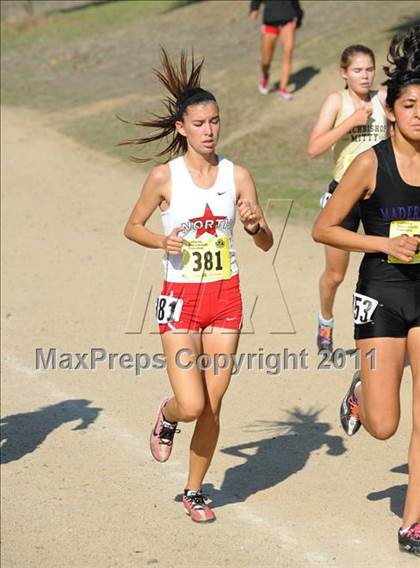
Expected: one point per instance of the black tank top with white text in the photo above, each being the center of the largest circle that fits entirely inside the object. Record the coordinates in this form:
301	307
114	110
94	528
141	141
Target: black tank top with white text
392	200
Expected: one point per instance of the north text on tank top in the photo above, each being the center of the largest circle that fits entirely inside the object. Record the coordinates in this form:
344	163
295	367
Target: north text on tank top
393	208
359	138
206	217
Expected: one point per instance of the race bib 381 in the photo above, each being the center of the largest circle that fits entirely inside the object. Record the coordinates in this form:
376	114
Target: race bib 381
206	261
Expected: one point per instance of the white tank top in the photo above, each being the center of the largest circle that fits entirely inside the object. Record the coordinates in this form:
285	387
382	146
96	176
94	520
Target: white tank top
359	138
206	217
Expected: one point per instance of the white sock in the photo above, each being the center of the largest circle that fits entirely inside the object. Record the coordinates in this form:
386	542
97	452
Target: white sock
324	321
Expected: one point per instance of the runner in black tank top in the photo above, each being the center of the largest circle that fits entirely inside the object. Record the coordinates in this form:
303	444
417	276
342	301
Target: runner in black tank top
386	180
392	200
396	287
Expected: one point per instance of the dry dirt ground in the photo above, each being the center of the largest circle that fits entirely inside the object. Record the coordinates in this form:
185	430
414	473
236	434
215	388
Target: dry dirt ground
80	489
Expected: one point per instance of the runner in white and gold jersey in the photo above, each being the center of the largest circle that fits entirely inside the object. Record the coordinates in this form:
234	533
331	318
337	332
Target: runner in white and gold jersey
350	122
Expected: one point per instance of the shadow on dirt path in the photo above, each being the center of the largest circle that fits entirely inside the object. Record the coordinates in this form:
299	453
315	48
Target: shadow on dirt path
395	494
270	461
21	434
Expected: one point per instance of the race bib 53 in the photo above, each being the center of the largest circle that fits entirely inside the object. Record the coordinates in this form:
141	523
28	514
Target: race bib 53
363	308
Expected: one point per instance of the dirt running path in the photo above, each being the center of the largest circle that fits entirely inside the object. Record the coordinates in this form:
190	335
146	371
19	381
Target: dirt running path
79	486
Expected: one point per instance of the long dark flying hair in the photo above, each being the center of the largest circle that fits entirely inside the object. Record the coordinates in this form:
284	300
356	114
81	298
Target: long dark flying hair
404	68
184	88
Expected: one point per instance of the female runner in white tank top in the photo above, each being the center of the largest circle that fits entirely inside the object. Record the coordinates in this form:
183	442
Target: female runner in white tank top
200	307
350	122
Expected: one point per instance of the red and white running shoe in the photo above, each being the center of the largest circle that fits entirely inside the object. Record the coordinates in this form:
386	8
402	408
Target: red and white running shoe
284	93
162	436
263	86
196	508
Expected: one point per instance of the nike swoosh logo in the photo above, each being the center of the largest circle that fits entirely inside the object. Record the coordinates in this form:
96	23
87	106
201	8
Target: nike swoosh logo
221	193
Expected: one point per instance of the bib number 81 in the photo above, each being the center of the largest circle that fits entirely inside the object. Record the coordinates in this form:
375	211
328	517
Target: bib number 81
168	309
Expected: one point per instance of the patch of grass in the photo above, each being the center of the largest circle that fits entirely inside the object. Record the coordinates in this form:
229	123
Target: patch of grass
60	26
84	63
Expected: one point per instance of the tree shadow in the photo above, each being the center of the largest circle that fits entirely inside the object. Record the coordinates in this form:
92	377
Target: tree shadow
405	25
270	461
21	434
79	7
181	4
395	494
299	78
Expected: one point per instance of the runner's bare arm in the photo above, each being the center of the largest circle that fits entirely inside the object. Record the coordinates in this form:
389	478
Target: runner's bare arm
155	190
249	209
324	135
357	183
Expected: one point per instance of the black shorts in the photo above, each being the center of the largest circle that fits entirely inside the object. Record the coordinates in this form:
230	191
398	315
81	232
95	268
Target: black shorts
275	28
278	23
397	311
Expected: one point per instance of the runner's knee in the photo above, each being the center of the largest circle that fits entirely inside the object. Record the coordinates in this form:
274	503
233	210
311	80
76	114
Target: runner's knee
380	429
287	52
334	278
191	410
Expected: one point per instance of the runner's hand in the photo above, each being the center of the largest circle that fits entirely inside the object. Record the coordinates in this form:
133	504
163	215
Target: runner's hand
173	243
253	14
249	214
403	247
362	114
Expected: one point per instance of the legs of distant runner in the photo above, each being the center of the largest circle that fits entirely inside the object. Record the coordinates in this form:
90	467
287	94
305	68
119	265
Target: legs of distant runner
287	39
268	44
336	263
